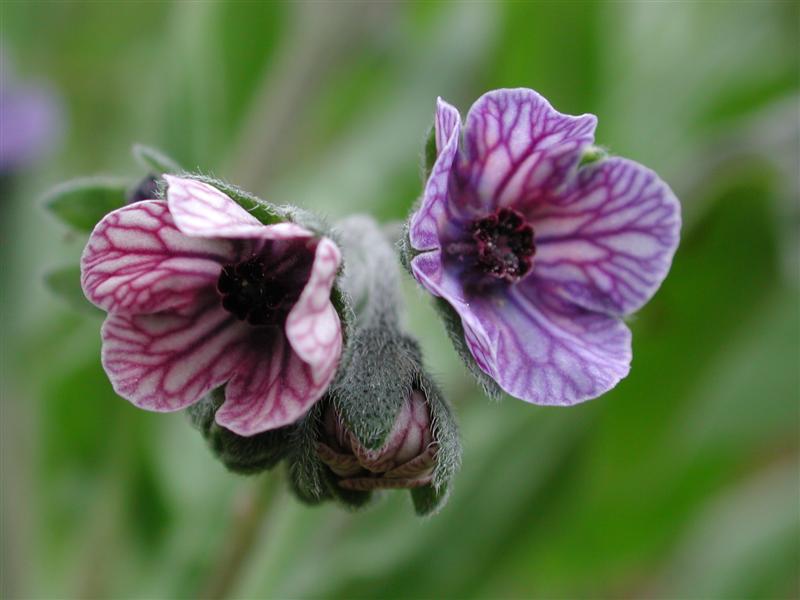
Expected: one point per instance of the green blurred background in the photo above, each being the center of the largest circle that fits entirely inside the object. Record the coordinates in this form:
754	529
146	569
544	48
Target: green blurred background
680	483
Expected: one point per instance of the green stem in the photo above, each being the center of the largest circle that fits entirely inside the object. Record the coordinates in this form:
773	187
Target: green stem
249	513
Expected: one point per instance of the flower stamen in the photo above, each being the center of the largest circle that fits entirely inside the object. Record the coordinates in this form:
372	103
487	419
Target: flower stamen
253	294
504	244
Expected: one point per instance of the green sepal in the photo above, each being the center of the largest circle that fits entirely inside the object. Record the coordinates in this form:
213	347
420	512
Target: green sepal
240	454
154	161
592	154
65	282
311	480
445	432
428	499
82	203
429	153
306	471
380	371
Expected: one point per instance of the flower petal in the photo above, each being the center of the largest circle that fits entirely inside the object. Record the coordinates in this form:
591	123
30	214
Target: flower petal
433	214
167	361
272	387
519	148
136	261
313	327
607	243
548	351
201	210
538	347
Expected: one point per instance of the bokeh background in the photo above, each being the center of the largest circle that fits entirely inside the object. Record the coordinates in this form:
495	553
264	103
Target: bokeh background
680	483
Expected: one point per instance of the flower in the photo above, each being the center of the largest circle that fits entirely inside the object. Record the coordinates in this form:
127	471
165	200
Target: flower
406	459
539	256
30	121
199	294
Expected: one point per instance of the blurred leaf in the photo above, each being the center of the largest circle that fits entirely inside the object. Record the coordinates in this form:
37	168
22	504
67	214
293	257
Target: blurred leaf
82	203
66	284
154	161
745	543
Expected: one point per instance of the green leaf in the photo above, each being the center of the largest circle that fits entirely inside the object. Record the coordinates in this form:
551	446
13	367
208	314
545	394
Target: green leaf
65	283
81	203
155	161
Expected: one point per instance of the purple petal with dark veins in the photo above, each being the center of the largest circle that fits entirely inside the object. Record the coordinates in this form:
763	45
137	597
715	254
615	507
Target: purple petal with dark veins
167	361
272	387
201	210
537	347
136	261
519	149
435	211
607	243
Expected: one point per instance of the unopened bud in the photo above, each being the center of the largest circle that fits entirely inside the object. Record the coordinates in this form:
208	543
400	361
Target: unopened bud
406	459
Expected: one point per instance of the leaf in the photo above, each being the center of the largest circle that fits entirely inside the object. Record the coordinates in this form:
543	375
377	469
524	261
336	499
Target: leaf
82	203
155	161
65	283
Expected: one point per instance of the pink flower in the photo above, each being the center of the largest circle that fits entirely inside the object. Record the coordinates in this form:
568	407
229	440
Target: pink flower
199	294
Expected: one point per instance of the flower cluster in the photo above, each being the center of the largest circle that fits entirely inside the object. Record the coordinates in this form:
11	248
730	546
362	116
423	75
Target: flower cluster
535	244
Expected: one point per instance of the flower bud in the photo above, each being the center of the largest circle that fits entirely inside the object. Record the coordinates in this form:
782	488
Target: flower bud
406	459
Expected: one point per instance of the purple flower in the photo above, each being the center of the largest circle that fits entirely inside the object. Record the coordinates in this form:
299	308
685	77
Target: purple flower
200	294
30	122
406	459
540	257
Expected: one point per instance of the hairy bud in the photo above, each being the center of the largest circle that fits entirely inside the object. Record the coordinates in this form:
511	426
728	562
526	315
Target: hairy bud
406	459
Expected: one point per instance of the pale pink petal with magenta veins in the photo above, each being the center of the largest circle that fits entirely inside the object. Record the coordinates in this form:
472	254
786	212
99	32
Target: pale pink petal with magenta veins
168	361
313	327
607	243
518	149
272	387
137	261
284	375
436	207
201	210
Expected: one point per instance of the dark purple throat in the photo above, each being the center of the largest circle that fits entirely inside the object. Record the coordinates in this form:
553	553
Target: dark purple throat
504	245
257	292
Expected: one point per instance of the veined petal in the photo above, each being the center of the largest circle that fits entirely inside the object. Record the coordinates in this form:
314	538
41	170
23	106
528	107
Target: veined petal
272	387
433	213
428	268
548	351
607	243
518	148
538	347
201	210
313	327
167	361
137	261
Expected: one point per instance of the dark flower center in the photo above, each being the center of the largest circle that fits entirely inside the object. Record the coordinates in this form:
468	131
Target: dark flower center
257	293
504	244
